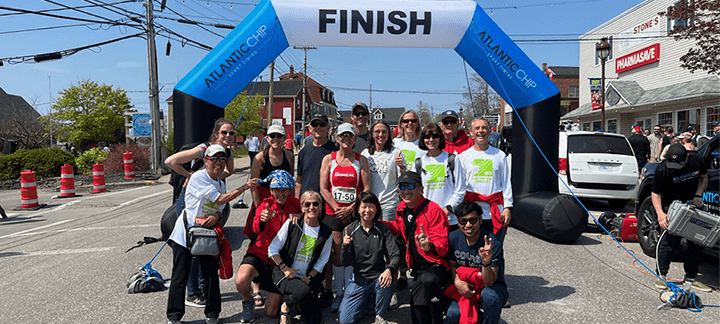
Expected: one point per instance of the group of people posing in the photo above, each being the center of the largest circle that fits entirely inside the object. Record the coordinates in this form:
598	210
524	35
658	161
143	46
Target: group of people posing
358	215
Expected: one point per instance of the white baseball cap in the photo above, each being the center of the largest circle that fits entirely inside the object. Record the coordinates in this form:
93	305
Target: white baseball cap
276	129
346	128
214	149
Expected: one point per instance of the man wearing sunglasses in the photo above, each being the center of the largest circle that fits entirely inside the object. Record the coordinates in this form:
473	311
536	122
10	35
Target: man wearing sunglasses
424	227
359	119
477	267
309	158
456	140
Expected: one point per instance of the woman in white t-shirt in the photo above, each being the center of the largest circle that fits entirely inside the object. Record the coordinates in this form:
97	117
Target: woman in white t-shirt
442	174
205	198
300	252
387	163
410	125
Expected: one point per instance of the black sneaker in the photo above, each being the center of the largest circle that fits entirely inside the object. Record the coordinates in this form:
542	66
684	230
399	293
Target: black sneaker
401	283
326	298
195	301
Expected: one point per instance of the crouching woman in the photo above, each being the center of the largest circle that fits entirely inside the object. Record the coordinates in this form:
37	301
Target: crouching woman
300	251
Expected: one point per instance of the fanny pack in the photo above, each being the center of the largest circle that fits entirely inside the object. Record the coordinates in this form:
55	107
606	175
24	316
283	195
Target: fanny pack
201	240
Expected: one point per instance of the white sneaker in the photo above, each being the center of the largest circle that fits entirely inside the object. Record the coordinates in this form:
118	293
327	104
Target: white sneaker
394	302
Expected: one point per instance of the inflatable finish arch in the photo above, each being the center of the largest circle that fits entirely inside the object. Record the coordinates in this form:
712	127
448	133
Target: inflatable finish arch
274	25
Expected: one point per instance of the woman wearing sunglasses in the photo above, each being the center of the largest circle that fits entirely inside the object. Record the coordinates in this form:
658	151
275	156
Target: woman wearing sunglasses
182	163
365	244
442	175
343	175
408	143
256	268
274	157
300	251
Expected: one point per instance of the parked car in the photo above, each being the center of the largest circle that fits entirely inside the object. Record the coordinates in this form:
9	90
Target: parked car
597	165
647	224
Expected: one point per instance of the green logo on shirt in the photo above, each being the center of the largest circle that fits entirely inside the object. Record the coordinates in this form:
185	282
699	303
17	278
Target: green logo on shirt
409	158
485	170
307	245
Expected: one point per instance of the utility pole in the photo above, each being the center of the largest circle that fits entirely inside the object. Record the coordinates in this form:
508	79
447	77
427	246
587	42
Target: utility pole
304	48
153	95
50	111
370	96
270	94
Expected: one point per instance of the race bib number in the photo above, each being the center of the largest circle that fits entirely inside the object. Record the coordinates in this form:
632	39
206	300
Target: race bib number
344	194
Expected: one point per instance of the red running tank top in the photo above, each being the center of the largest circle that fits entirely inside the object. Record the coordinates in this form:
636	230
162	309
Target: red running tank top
345	182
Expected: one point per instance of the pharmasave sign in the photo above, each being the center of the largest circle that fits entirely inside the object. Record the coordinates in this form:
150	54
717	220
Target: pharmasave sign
638	58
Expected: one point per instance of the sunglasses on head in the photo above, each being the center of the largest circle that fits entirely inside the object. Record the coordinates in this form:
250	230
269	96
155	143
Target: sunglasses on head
317	123
433	136
224	132
222	159
464	221
449	121
360	113
314	204
409	186
407	121
276	135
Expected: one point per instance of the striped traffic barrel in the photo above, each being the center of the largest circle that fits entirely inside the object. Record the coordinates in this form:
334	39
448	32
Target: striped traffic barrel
28	190
67	181
129	165
98	177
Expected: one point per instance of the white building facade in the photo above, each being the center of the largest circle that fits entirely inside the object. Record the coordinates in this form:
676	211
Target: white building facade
644	83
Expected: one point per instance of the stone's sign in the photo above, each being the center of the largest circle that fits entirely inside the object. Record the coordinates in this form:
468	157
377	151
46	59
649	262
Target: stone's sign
641	32
638	58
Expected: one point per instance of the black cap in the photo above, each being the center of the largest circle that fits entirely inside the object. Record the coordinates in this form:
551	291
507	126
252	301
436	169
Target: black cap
716	123
410	178
448	113
676	156
320	117
360	105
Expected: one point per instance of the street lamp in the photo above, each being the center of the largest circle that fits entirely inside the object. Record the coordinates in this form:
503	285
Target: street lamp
602	50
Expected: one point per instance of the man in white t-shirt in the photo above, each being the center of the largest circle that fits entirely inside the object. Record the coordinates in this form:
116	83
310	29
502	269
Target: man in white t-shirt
253	144
487	179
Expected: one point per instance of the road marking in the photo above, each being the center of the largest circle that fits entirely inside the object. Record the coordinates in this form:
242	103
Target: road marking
85	229
58	252
37	228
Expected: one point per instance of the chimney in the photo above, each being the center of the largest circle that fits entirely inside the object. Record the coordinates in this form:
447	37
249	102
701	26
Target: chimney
292	72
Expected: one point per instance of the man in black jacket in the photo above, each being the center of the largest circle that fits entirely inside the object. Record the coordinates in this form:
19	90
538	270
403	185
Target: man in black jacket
641	146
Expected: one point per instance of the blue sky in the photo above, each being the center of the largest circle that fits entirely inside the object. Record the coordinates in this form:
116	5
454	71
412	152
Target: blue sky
391	72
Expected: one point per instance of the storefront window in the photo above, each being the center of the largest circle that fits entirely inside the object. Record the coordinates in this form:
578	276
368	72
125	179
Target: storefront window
611	126
573	91
586	126
595	125
713	114
665	119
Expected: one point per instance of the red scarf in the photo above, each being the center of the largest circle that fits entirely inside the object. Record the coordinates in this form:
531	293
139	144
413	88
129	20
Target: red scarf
494	200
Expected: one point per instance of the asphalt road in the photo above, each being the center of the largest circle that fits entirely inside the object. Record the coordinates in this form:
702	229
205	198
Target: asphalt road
66	263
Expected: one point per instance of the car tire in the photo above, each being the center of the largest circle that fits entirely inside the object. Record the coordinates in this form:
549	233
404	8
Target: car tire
617	203
648	228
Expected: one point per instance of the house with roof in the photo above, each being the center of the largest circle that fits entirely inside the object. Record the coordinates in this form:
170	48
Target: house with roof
389	115
17	117
288	98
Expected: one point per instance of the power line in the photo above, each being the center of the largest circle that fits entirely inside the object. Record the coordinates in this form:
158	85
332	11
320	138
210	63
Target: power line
43	28
179	14
63	17
78	10
193	22
60	54
434	92
61	9
230	2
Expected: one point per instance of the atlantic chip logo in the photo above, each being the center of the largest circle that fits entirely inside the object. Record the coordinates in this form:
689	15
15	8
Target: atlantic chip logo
485	168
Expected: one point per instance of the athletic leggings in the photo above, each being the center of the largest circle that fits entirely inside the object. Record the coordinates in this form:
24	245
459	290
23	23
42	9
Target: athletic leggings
427	301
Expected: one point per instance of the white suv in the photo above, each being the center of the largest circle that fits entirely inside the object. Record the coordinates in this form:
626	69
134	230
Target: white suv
598	165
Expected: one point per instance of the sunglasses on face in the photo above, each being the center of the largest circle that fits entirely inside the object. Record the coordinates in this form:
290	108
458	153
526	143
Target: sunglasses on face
314	204
411	186
318	123
224	132
464	221
214	159
360	113
407	121
433	136
346	135
276	135
449	121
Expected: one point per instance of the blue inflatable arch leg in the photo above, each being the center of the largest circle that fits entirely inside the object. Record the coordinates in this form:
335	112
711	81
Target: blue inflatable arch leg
200	96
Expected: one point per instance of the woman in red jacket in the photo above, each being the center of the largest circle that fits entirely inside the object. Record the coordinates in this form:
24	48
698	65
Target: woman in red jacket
272	212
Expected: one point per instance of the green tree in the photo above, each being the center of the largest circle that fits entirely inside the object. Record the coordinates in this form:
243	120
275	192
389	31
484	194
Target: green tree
699	21
484	99
425	112
250	119
89	112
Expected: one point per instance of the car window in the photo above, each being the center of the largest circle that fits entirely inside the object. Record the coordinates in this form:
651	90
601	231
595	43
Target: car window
598	144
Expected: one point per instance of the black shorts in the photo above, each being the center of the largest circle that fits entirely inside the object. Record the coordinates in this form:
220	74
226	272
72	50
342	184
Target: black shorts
335	224
264	270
